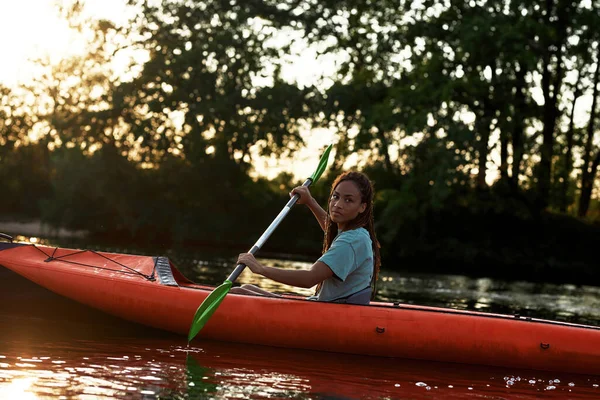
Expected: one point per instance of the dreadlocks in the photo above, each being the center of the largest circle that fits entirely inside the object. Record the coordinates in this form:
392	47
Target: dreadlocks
363	220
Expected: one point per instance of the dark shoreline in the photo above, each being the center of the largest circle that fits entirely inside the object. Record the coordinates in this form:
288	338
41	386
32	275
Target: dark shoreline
551	248
426	262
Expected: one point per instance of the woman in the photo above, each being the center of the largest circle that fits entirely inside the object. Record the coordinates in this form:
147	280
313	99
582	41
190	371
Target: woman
350	261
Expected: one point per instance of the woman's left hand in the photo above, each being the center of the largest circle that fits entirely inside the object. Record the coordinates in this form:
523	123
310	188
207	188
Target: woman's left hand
249	260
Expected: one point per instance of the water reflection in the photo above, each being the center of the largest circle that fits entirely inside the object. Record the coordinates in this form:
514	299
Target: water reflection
145	367
559	302
89	368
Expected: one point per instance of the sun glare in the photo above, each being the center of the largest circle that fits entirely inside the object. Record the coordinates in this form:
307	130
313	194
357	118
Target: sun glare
29	29
32	29
18	389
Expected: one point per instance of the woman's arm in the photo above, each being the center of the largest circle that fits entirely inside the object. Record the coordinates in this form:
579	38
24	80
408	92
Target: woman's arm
317	210
301	278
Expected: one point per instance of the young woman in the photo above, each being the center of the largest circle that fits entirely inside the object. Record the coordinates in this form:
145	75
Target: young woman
350	261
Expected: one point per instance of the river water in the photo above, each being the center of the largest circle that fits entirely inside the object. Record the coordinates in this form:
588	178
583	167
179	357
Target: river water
51	347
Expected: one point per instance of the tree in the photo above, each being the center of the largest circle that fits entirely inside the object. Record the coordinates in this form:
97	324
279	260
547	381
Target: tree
212	86
15	122
591	156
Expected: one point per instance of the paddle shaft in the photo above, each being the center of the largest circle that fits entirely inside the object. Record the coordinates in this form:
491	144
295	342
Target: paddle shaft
240	267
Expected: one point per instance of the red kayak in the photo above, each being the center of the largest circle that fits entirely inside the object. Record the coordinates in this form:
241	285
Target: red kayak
151	291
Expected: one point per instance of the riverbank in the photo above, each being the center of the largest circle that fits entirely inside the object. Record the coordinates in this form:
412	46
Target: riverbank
35	228
551	248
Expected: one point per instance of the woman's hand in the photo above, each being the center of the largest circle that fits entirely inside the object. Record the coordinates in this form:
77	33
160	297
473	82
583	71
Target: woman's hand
305	196
249	260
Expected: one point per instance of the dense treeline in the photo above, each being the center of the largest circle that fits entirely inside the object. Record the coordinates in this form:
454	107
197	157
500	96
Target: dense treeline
477	120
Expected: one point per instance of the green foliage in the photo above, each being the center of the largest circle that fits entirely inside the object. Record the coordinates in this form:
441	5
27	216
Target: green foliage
25	180
95	193
14	122
177	204
212	62
433	97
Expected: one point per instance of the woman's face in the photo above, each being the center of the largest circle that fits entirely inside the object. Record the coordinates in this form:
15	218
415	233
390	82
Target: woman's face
345	203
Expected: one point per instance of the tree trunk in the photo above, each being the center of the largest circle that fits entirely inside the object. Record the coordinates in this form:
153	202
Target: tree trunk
588	172
551	84
484	129
586	191
503	155
341	153
547	149
568	156
384	150
484	132
519	126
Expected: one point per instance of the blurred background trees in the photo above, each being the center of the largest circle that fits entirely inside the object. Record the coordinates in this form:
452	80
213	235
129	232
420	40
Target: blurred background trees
477	120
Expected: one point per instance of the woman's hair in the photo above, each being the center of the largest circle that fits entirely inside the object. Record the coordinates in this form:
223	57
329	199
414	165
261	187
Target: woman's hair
363	220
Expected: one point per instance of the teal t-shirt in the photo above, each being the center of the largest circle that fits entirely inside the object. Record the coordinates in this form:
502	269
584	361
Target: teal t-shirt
350	257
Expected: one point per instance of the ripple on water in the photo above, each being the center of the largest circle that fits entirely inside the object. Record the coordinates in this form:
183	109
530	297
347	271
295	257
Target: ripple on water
258	373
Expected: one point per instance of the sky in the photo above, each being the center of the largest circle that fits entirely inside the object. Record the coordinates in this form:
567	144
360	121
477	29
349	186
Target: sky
31	29
35	30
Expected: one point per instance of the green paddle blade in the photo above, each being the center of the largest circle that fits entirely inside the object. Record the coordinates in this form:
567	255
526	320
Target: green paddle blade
207	308
322	165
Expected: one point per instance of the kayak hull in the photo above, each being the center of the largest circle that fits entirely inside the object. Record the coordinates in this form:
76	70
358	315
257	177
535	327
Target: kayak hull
151	291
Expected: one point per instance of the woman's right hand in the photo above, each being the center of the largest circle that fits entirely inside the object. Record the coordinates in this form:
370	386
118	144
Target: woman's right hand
303	192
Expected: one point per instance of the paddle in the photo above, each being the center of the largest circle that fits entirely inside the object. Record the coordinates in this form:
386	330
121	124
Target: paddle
213	300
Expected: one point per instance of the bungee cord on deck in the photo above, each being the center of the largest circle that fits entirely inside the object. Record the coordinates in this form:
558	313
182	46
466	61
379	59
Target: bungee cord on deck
131	271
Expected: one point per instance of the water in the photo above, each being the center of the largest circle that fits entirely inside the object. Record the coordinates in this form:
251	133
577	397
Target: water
53	348
147	367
